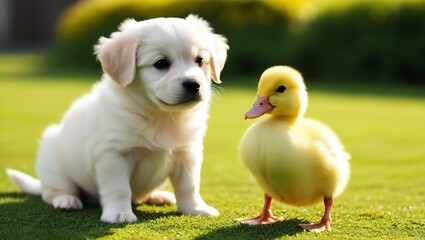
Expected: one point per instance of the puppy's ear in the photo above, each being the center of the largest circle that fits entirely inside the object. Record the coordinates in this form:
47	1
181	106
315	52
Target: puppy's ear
217	46
218	52
117	54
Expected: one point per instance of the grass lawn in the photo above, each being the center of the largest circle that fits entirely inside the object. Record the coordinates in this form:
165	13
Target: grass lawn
383	127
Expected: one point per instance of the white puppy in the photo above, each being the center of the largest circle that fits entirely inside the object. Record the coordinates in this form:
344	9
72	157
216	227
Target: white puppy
143	123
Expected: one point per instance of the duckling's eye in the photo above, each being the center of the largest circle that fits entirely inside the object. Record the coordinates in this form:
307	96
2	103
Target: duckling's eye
281	89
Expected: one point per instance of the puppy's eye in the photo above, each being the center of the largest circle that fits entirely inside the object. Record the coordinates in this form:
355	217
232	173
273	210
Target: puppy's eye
281	89
199	61
162	64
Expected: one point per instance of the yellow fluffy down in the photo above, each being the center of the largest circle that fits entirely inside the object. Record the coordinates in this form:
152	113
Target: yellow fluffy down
297	165
295	160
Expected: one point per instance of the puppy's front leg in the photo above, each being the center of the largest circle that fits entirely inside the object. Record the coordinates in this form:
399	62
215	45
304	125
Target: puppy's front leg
185	178
113	178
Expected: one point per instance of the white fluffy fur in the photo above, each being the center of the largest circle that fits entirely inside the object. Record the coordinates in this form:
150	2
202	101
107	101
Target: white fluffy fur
136	128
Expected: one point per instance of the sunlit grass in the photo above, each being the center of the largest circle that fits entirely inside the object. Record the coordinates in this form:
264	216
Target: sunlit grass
382	127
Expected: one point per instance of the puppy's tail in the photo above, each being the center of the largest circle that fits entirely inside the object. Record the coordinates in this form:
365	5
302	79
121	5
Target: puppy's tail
25	182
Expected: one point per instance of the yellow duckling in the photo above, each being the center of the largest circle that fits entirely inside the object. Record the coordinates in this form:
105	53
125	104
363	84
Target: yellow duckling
295	160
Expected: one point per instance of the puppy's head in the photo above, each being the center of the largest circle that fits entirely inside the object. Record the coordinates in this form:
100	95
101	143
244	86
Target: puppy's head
171	60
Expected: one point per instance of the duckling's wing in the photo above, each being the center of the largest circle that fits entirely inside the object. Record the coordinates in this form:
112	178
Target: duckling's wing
325	140
330	158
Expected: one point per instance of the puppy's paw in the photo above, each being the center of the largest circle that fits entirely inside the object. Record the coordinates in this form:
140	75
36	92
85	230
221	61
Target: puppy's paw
67	202
119	217
159	197
201	210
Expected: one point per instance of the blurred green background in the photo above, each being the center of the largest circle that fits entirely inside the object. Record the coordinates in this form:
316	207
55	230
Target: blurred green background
351	40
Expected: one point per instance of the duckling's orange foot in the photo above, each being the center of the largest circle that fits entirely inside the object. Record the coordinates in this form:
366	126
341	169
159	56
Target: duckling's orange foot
323	225
264	218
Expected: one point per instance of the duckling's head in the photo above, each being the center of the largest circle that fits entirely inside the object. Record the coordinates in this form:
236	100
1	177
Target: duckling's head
281	92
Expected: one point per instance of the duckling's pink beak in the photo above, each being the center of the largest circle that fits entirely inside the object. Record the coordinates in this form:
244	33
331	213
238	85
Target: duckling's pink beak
260	107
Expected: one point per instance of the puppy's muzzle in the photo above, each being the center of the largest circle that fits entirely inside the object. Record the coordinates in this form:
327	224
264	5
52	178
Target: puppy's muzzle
191	93
191	86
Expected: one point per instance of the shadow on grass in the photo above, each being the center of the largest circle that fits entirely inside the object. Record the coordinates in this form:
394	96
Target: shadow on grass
28	217
287	227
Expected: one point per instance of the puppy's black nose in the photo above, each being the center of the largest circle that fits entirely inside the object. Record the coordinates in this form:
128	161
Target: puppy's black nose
191	86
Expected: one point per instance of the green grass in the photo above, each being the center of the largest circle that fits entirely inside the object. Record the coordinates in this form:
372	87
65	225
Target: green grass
383	127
